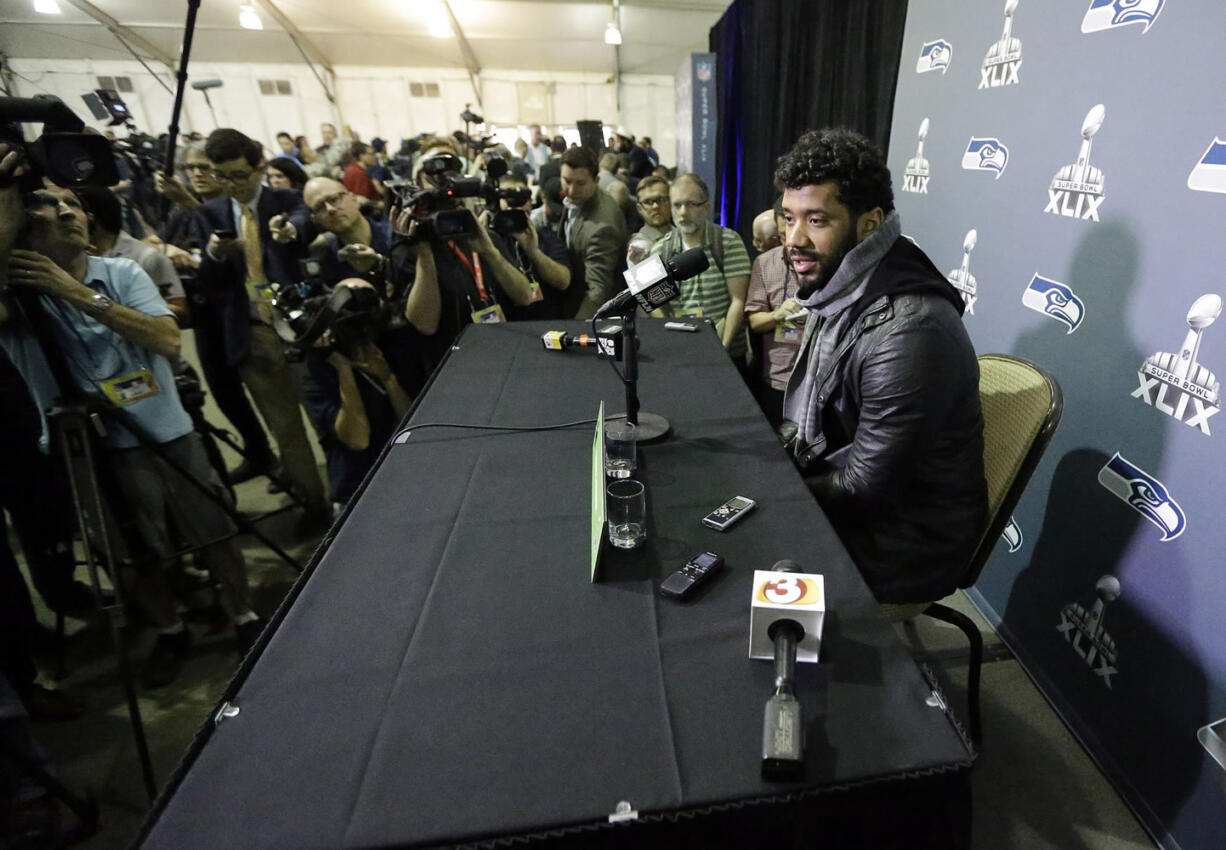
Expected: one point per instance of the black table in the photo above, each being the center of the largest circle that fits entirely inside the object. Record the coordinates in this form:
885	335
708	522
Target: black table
445	671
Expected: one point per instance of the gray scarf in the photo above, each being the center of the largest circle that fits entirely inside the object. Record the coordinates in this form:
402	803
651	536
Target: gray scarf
824	330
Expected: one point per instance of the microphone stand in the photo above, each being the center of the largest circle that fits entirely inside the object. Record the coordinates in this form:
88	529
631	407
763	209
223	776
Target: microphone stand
647	426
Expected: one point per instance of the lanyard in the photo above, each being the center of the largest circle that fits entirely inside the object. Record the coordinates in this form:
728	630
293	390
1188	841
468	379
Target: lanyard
474	268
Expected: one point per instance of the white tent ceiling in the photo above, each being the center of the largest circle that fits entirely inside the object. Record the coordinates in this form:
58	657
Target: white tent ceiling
538	35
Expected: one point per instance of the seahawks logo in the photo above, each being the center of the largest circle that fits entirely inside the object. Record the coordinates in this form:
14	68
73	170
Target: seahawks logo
1109	14
935	56
1012	535
985	155
1055	299
1144	494
1209	174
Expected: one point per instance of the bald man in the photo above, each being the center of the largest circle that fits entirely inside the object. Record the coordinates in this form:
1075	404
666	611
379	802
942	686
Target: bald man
766	231
369	250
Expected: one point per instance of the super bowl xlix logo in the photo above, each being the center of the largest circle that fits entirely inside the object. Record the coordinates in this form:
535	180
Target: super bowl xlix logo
961	277
1083	630
915	175
1077	189
1004	57
1175	383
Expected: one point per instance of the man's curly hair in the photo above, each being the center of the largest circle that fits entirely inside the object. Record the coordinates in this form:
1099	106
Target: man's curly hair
838	154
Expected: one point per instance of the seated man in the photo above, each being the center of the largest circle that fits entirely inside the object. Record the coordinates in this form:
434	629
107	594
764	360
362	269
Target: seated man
112	333
885	392
355	402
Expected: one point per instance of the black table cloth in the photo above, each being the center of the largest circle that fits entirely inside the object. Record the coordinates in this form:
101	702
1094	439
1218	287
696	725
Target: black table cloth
447	672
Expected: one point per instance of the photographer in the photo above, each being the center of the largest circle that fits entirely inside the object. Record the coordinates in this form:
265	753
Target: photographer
459	287
353	398
115	333
541	255
368	249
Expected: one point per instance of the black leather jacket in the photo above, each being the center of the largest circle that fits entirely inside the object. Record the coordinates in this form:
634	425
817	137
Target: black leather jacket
898	464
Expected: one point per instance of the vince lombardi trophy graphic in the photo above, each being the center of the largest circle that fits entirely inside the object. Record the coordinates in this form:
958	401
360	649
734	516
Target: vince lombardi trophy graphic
1082	172
1203	312
1008	47
915	175
961	277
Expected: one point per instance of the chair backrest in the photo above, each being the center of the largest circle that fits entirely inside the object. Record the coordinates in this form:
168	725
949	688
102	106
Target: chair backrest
1022	404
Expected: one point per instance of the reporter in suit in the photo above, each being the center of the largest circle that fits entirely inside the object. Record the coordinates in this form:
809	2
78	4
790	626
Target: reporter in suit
270	225
595	233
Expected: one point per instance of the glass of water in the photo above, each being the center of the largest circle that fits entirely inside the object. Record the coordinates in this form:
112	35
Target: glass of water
620	449
626	506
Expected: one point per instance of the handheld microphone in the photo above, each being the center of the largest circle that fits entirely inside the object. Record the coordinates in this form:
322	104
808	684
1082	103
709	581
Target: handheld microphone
325	247
653	283
783	746
607	341
561	340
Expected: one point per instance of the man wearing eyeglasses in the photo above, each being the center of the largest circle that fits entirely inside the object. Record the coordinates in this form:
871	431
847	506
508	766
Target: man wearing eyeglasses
253	238
653	207
718	293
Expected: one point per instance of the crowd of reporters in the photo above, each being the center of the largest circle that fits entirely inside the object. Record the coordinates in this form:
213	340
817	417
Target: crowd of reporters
332	279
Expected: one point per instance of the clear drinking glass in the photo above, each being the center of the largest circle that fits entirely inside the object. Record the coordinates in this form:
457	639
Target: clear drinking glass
626	507
620	449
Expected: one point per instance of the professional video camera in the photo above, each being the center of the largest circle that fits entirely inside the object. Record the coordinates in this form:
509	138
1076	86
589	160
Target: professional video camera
504	222
63	153
432	207
303	312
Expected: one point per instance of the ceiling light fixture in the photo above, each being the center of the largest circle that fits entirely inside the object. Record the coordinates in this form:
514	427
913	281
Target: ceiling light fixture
440	27
47	7
612	35
248	18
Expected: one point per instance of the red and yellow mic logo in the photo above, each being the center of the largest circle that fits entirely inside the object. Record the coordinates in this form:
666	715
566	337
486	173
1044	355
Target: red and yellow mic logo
789	590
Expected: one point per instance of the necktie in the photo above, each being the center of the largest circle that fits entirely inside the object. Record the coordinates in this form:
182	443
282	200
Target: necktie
258	289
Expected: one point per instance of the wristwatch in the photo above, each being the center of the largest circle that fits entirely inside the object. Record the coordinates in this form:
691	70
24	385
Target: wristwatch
98	304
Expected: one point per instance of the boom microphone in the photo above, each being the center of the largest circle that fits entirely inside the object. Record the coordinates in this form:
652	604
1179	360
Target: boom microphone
783	746
202	85
653	282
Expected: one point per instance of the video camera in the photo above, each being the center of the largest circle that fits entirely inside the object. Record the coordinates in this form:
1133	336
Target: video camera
63	153
303	312
432	208
504	222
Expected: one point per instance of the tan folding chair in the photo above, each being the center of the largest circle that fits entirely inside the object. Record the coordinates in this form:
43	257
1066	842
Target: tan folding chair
1022	404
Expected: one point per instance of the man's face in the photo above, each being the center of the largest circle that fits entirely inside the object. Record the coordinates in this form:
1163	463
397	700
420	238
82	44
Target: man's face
57	221
654	206
689	206
328	132
536	135
367	159
200	173
578	184
332	206
287	145
818	233
238	178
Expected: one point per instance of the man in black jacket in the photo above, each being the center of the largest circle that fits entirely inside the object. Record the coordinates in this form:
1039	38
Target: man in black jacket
885	391
253	239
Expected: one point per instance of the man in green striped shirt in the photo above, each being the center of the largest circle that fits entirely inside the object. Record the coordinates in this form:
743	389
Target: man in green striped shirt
718	293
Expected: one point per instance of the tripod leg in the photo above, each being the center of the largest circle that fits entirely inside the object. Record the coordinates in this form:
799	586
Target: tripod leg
87	501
